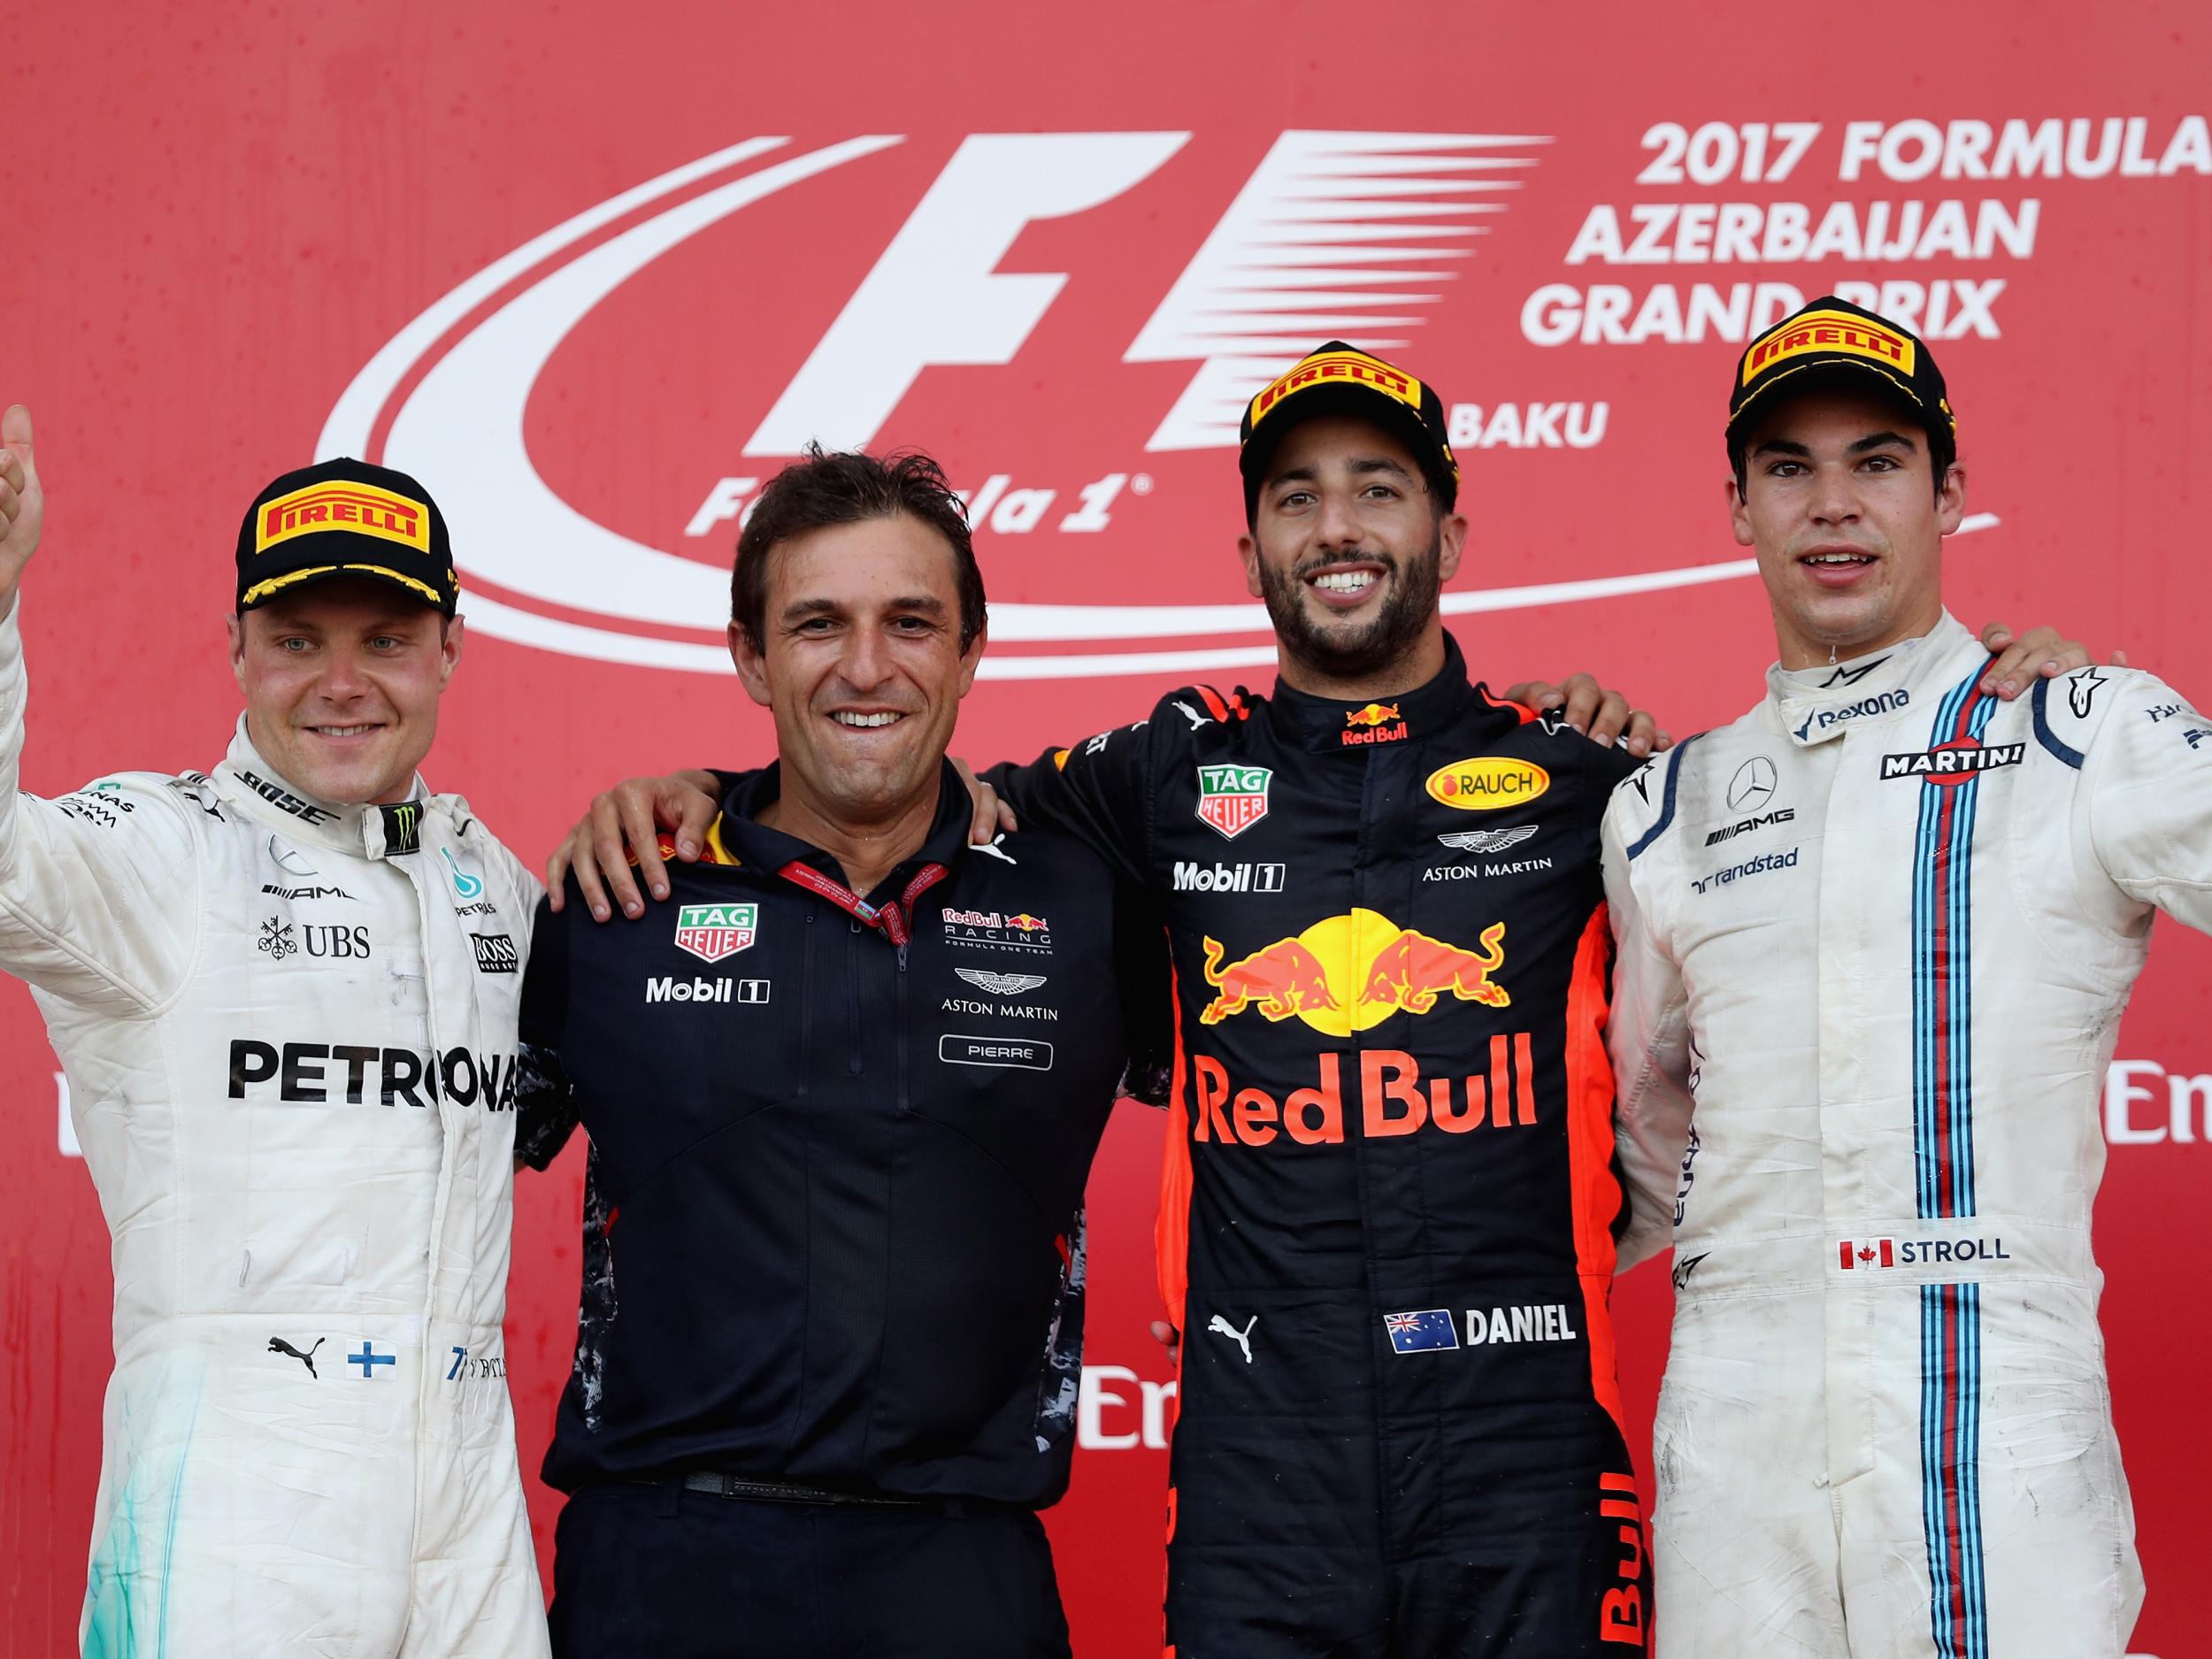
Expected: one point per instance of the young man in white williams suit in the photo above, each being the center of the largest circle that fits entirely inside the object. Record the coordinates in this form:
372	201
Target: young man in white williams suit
1875	941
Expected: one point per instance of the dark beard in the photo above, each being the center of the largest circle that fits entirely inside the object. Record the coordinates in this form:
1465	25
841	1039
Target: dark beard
1360	653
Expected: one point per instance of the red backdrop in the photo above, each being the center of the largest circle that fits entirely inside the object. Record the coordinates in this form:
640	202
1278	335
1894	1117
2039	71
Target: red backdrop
590	281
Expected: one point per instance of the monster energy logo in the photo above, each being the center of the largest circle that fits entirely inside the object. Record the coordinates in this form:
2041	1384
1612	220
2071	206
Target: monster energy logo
402	827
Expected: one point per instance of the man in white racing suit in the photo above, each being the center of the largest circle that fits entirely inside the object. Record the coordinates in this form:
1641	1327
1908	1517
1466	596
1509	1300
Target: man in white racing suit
1875	940
284	993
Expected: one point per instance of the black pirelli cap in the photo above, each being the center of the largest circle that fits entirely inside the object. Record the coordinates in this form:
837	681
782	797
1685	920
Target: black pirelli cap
1833	339
1338	379
345	517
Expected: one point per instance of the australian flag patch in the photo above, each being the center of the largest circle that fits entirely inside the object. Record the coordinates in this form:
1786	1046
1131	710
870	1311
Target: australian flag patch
1423	1329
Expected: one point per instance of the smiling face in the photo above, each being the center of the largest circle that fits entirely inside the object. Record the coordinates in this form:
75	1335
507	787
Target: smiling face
1840	503
862	665
341	681
1349	552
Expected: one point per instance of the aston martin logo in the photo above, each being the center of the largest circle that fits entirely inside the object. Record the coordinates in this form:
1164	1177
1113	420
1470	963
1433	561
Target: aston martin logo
1001	984
1488	840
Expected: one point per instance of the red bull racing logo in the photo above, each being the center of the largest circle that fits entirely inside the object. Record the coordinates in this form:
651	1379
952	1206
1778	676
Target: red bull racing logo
1346	974
1377	723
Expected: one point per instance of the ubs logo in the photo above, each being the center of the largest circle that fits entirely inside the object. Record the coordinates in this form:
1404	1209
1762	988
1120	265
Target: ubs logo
339	943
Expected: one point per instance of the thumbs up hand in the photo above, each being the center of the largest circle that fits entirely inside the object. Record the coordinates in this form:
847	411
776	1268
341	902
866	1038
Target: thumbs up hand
22	503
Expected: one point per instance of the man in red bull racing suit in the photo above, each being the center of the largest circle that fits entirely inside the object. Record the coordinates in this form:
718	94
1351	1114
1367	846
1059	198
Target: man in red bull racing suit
1388	1208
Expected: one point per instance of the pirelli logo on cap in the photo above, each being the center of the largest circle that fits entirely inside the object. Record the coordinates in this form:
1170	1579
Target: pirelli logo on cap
1826	333
1338	366
363	509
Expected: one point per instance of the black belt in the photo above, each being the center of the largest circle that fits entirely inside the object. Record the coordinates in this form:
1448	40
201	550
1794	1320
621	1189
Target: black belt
741	1487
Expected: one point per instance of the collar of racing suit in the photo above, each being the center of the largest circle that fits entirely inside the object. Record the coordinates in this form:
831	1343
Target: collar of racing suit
1319	724
1812	706
754	843
250	782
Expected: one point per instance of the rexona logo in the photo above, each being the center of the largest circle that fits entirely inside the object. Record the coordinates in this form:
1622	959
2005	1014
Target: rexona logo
712	932
1488	783
1357	235
1346	974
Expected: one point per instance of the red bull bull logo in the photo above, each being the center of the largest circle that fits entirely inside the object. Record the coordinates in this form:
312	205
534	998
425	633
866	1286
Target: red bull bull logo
1027	924
1414	969
1280	979
1377	723
1346	974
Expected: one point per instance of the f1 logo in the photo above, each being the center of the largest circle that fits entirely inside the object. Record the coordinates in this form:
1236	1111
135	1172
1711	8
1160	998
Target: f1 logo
934	296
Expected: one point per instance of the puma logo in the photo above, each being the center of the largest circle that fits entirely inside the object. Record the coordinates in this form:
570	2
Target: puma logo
278	1345
1242	1339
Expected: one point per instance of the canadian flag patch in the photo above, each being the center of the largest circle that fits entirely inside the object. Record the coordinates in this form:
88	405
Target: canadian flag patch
1869	1253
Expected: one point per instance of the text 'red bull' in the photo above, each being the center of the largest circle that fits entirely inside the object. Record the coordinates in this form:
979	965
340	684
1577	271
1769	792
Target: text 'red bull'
1377	723
1394	1099
1621	1611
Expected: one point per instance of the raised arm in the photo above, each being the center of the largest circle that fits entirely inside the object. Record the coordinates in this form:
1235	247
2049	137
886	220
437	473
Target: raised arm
98	898
22	503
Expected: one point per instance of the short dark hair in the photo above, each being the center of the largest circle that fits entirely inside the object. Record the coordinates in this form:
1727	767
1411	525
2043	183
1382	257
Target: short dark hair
824	488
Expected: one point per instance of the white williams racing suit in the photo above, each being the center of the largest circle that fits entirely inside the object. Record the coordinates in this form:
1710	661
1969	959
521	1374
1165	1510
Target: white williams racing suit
289	1035
1881	932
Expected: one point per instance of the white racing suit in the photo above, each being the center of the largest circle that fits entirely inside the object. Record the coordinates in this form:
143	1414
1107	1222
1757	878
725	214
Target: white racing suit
1875	941
288	1031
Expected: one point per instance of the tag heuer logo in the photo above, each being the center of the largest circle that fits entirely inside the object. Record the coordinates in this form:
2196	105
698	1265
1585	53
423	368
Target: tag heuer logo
1232	799
712	932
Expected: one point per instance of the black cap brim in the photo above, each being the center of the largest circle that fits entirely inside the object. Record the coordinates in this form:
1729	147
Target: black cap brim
1359	402
1823	372
337	555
